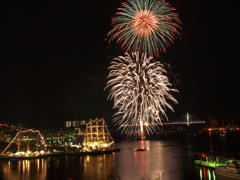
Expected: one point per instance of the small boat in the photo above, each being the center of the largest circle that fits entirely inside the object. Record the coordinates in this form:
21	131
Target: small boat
230	171
210	164
141	149
211	161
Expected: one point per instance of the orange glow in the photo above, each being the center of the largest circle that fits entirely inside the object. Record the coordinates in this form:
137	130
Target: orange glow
142	145
144	23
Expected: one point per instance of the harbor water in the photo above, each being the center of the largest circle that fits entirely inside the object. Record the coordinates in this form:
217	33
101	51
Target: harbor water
165	158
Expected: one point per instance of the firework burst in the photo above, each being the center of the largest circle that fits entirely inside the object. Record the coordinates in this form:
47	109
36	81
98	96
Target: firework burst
140	91
145	25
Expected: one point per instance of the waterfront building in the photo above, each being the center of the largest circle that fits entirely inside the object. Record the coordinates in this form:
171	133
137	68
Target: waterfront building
69	124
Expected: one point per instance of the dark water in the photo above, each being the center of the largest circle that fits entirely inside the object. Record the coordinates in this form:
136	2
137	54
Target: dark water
164	159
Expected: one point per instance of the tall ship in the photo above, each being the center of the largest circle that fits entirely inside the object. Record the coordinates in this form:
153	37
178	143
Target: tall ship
97	136
27	143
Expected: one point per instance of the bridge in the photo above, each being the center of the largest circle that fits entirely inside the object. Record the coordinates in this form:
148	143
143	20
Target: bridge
186	119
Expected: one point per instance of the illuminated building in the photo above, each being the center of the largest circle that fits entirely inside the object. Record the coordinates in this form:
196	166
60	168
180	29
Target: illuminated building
69	124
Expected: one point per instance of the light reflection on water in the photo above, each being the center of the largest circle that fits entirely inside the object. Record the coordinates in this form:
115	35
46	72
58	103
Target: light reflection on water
162	160
159	161
206	173
24	170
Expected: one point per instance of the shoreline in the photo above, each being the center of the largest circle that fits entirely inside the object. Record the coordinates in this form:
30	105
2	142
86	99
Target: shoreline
60	154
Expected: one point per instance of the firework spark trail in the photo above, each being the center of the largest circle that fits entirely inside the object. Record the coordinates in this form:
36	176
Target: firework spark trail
140	91
148	26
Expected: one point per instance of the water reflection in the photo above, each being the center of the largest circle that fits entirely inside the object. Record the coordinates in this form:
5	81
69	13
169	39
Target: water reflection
77	167
169	159
24	169
210	142
98	167
161	160
205	173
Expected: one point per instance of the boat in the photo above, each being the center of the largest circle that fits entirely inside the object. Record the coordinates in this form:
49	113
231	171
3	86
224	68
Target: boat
230	171
97	140
97	137
22	141
210	164
211	161
141	149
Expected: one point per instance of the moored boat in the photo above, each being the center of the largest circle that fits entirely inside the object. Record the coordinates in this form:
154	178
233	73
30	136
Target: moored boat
210	160
210	164
141	149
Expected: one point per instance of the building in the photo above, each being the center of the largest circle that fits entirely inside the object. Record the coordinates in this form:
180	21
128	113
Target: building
69	124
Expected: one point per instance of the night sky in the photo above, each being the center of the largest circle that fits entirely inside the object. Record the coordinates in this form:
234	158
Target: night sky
54	60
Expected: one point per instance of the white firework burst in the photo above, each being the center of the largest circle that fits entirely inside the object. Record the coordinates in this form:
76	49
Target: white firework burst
141	93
